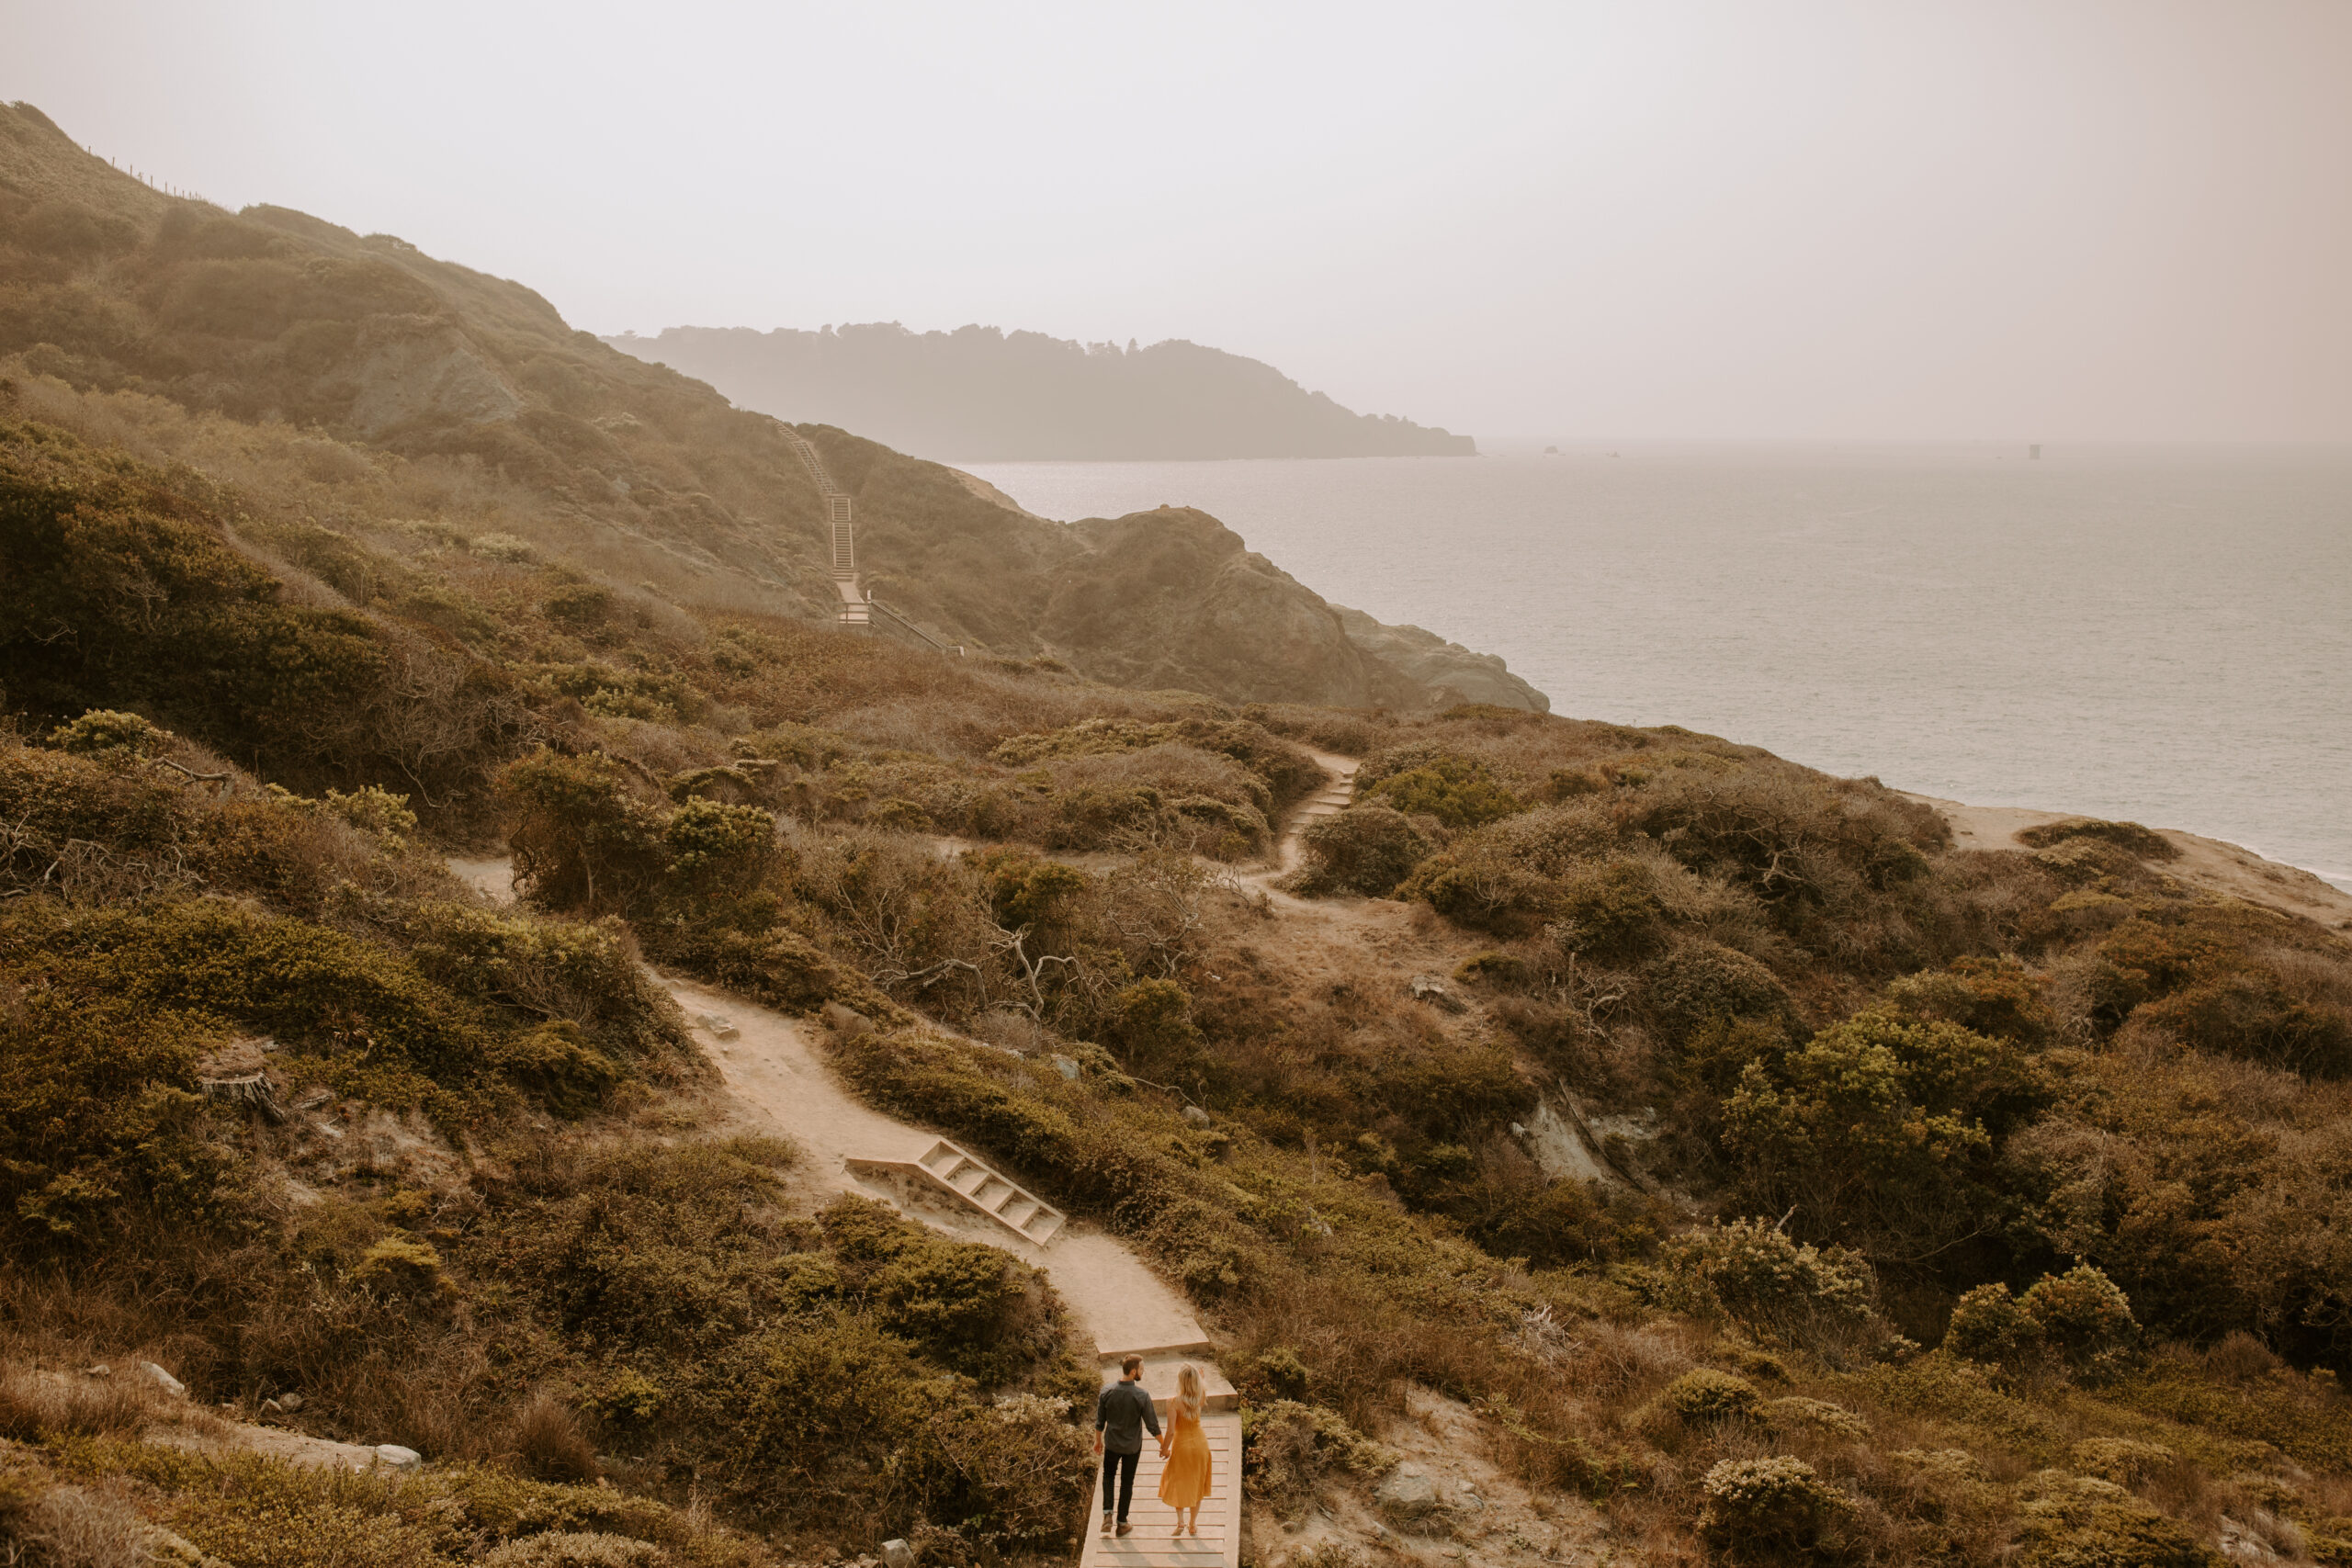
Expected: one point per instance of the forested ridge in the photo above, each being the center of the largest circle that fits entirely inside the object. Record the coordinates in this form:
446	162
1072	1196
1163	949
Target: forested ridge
980	394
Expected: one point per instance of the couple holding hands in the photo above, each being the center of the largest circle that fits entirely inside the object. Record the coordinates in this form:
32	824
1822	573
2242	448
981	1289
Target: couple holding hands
1121	1413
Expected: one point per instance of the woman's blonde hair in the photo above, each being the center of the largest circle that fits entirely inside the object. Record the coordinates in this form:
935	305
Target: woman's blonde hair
1188	1390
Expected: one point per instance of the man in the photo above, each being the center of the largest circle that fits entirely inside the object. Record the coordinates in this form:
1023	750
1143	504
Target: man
1121	1414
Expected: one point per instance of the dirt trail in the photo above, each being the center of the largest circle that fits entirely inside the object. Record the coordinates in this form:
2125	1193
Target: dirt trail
780	1082
1328	801
774	1071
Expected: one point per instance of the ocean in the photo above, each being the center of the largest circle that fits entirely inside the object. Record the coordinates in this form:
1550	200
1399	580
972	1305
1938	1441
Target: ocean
2157	634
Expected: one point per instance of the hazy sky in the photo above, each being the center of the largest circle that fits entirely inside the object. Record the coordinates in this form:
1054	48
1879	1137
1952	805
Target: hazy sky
2012	219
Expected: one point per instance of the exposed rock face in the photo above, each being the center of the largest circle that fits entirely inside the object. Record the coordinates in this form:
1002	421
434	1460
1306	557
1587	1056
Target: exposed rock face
1428	659
413	371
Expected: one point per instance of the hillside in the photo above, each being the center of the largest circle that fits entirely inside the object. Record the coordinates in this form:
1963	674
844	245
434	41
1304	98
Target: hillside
444	983
471	397
978	394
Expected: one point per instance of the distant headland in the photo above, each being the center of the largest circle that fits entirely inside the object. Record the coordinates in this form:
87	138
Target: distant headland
980	394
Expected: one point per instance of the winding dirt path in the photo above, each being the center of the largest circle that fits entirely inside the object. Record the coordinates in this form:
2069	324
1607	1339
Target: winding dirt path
1289	849
776	1072
778	1080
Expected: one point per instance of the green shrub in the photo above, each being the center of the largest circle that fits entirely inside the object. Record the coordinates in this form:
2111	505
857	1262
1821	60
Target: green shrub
716	849
558	1066
2144	842
102	730
582	839
1818	1413
402	1266
503	548
1990	1324
2083	1317
2123	1460
1289	1449
2071	1521
1610	912
1767	1509
576	1548
1880	1130
1284	1375
1460	792
965	1304
1367	849
587	975
1703	1397
1701	981
1795	1294
579	607
1495	968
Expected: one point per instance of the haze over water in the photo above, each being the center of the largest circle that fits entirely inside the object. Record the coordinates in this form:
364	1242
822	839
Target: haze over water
2163	634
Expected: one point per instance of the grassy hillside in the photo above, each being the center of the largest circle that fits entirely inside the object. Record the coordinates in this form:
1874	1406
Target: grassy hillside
1762	1178
979	394
468	400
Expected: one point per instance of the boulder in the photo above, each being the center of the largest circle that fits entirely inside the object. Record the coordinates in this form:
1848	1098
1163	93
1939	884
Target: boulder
1067	1067
1450	673
1196	1116
1433	990
163	1380
1407	1494
845	1020
397	1457
898	1554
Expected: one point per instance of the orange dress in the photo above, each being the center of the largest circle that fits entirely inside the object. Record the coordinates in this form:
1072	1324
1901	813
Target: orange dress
1184	1479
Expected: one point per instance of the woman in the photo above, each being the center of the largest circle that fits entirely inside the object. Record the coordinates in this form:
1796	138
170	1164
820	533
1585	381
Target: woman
1184	1477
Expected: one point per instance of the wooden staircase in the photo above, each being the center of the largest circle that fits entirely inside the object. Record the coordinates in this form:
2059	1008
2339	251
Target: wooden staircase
949	1171
853	610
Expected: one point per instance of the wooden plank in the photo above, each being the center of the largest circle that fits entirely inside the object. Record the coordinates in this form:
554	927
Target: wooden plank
1150	1545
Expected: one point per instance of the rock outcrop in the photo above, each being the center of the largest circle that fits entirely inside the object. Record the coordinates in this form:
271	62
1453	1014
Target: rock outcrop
1457	674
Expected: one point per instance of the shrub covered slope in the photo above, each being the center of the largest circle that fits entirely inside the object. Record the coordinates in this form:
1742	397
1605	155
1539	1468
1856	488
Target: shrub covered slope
471	402
1766	1177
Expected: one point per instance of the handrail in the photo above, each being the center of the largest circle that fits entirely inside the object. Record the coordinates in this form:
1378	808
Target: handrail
873	603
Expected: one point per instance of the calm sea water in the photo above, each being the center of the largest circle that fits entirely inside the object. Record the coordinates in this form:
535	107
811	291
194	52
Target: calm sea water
2160	634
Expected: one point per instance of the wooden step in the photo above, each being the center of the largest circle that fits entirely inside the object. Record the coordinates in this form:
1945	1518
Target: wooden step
947	1171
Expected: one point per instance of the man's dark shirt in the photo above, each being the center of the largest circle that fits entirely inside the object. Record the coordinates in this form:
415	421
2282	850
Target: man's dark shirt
1121	1413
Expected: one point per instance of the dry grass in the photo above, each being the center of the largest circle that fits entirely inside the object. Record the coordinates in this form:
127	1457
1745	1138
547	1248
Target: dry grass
549	1441
69	1527
39	1405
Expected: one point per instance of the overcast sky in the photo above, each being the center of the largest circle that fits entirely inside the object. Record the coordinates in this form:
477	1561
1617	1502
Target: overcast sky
1883	219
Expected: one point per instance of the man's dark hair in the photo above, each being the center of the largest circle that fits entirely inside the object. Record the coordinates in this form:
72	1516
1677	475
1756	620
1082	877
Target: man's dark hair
1131	1366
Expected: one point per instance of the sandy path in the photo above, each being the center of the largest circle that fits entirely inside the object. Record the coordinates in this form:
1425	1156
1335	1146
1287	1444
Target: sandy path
1328	801
2210	863
774	1071
778	1077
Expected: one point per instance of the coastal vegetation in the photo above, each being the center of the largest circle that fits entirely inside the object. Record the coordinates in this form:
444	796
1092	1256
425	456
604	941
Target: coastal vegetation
1760	1175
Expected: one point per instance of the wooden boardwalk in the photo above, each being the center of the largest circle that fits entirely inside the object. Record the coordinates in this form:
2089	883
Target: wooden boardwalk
1150	1546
